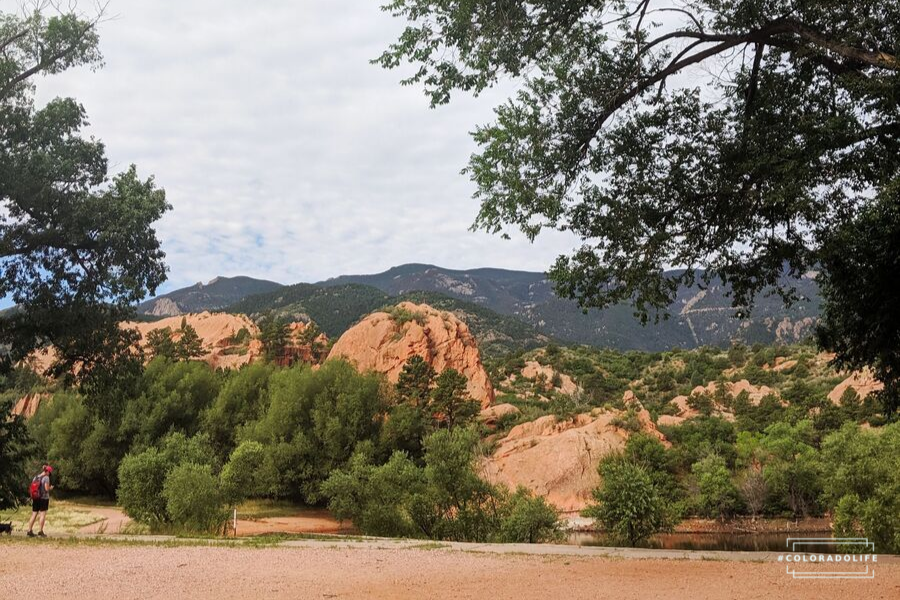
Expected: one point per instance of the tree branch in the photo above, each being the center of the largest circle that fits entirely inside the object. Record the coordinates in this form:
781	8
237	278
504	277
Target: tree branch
879	59
44	63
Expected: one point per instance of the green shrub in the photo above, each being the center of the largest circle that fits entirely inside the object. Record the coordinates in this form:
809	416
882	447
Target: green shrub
193	499
627	504
718	496
141	480
241	477
401	316
445	499
529	519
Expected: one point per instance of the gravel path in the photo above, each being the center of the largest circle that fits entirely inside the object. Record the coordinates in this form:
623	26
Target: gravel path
220	573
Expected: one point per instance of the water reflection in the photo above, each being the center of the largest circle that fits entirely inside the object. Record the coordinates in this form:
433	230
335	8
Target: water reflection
746	542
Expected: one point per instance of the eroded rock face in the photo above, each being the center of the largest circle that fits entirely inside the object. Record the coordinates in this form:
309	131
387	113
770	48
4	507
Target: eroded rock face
383	342
755	394
164	307
491	415
535	370
215	331
863	382
28	405
559	459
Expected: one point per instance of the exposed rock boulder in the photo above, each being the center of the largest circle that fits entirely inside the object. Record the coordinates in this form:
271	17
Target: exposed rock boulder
492	414
559	459
164	307
756	394
863	382
384	341
536	371
27	405
216	332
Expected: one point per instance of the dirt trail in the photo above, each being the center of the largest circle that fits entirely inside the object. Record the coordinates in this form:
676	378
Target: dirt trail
114	520
150	572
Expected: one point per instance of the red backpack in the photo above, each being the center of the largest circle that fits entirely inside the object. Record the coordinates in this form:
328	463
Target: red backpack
35	490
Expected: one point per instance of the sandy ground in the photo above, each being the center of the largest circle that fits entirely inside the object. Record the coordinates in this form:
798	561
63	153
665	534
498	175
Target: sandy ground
113	520
320	571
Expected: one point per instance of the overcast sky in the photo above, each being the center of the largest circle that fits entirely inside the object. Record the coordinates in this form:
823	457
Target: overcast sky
284	153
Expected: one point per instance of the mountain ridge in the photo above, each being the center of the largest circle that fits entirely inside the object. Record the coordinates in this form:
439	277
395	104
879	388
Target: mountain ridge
521	307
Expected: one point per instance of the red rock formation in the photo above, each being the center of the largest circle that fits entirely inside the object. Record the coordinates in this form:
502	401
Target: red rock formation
381	343
29	404
491	415
559	459
216	331
863	382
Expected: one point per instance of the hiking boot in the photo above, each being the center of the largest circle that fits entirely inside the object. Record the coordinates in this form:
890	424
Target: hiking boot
41	534
30	534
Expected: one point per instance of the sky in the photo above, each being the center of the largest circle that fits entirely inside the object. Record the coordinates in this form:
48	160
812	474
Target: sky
285	154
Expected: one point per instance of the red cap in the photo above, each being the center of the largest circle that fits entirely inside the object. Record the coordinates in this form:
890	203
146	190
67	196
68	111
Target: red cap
48	468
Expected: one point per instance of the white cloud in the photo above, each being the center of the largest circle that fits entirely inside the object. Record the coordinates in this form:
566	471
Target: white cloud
285	154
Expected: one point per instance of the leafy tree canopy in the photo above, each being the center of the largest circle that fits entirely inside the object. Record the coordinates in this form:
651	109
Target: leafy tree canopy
745	177
77	249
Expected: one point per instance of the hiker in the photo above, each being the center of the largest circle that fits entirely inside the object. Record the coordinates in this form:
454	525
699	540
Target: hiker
40	499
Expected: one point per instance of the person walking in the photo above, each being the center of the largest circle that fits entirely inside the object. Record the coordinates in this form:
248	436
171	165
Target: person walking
41	503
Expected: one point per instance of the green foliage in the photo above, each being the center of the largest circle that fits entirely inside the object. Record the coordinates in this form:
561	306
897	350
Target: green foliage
445	499
273	333
415	381
627	504
78	249
628	421
312	424
404	428
333	308
791	153
529	519
401	315
189	344
160	343
143	476
791	467
450	400
860	262
862	483
193	499
718	496
173	397
16	449
241	477
241	400
141	480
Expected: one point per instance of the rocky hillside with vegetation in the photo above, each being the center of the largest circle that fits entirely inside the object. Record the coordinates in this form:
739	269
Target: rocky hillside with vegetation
698	317
215	295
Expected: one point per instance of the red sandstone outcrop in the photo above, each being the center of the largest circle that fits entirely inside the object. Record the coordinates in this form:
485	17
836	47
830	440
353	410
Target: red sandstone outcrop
27	405
536	371
559	459
863	382
492	414
756	394
216	331
383	342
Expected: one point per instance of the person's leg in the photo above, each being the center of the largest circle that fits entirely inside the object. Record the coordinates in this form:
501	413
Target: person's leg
31	520
43	515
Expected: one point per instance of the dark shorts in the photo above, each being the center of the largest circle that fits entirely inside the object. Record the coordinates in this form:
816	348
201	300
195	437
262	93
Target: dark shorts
40	505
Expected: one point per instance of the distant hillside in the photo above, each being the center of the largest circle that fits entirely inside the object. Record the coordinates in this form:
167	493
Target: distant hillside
215	295
336	308
699	317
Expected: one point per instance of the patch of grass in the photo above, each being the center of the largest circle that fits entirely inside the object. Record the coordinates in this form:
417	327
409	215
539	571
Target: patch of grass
430	546
64	517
